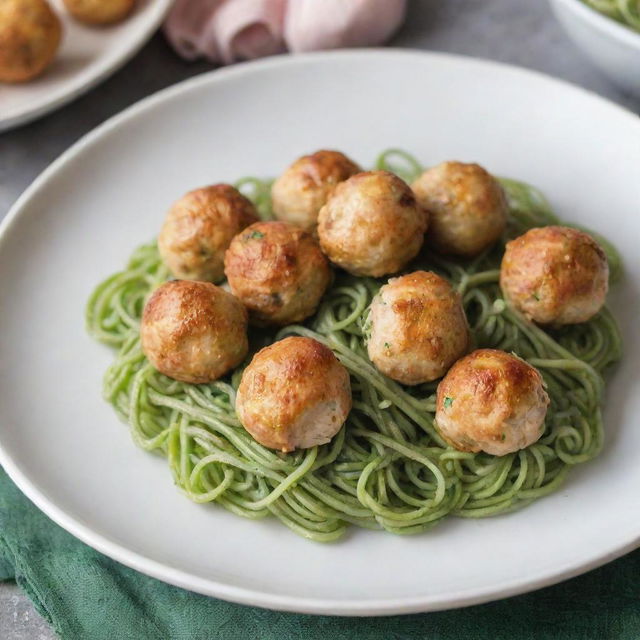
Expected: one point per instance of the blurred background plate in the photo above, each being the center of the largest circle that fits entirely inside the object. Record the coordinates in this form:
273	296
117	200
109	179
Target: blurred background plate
87	56
65	448
612	47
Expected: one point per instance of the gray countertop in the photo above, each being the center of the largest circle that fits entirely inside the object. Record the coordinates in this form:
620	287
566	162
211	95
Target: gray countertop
521	32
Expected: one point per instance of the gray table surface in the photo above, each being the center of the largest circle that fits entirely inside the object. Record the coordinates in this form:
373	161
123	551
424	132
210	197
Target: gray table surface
521	32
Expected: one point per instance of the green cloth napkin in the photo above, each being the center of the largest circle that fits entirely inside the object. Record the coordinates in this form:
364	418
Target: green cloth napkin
87	596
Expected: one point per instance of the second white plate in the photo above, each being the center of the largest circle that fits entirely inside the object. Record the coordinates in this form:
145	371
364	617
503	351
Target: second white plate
87	56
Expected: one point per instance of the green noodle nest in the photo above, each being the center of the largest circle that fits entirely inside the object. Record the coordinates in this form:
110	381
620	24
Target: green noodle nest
625	11
387	468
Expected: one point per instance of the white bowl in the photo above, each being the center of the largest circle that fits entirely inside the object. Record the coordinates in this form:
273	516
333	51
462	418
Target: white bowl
611	46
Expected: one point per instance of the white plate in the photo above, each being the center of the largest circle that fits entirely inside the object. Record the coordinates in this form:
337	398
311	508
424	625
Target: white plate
87	56
80	220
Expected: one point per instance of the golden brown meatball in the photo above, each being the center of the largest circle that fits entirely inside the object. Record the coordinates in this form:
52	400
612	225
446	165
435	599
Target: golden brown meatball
294	394
555	275
199	229
300	192
467	206
418	328
278	271
193	331
491	401
371	224
30	34
99	11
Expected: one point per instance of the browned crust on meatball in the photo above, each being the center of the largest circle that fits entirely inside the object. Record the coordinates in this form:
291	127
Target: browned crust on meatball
30	35
278	271
327	165
193	331
99	12
282	382
419	328
467	206
300	192
412	310
483	390
555	275
372	224
199	228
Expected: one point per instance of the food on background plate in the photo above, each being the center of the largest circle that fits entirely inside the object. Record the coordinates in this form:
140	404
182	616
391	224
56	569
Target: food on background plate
491	401
99	12
31	32
626	12
555	275
371	224
502	428
294	394
417	327
277	271
30	35
302	190
193	331
199	228
467	207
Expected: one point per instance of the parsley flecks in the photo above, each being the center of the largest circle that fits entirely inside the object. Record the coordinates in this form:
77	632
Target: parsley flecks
387	345
503	437
256	234
448	402
535	296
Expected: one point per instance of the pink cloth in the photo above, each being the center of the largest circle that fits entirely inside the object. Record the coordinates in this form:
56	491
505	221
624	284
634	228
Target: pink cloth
187	25
312	25
230	30
226	30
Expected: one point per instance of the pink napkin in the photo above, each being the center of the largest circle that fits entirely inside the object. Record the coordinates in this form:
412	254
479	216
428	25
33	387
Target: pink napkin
230	30
226	30
312	25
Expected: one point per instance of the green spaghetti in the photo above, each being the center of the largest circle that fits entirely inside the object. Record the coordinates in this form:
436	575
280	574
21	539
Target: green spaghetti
388	468
625	11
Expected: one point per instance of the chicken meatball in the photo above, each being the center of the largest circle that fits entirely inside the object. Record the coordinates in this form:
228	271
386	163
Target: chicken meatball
300	192
278	271
555	275
418	328
491	401
30	34
193	331
467	206
199	229
294	394
371	224
99	11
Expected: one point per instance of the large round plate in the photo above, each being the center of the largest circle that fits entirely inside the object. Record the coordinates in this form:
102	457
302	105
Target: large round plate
80	220
87	56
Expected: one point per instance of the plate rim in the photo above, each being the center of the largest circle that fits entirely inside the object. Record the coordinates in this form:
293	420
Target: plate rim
256	597
157	12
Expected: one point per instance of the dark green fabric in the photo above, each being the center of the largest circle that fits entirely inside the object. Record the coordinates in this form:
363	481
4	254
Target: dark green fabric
6	570
86	596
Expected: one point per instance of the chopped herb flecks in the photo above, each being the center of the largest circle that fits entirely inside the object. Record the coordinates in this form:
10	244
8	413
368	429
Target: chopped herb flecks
448	402
256	234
